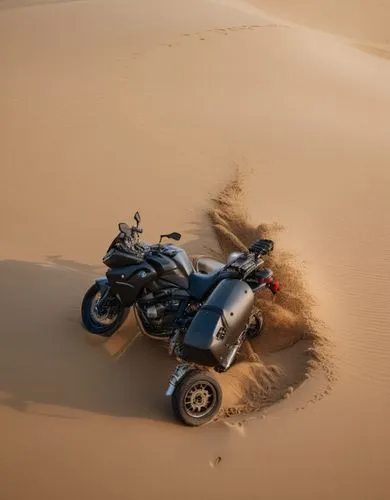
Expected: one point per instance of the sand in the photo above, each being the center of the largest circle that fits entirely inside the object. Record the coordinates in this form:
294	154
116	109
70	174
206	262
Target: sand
364	20
107	107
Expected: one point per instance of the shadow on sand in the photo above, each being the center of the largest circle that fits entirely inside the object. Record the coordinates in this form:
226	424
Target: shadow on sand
45	358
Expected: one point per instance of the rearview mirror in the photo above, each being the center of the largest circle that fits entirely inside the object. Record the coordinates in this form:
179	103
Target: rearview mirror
123	227
171	236
137	218
174	236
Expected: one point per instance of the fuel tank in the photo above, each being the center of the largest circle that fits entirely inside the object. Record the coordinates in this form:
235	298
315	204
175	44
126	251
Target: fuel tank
183	261
179	273
218	324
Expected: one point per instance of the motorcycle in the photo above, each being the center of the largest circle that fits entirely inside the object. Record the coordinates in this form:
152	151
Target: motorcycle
205	310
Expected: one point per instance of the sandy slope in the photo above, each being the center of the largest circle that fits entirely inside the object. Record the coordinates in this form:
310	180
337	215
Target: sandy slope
366	20
111	106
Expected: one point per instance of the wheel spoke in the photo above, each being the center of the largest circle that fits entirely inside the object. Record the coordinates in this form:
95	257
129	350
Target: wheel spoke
199	399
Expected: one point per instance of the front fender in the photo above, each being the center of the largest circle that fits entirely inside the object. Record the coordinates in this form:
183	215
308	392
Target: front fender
105	288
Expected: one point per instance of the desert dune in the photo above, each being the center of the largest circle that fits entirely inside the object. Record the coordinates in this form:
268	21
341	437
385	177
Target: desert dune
364	20
113	106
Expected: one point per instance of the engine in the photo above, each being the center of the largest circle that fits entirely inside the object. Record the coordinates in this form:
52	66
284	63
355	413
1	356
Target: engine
165	310
160	309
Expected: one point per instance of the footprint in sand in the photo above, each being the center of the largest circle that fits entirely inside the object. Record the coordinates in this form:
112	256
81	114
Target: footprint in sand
225	31
214	463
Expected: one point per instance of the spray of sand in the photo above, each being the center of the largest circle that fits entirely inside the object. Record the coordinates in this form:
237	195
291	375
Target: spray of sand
252	383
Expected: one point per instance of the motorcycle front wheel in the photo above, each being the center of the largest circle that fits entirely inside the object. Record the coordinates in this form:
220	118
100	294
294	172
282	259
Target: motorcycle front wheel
197	398
102	318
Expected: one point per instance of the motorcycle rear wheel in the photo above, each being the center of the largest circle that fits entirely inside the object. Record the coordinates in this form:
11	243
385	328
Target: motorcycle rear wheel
101	323
197	398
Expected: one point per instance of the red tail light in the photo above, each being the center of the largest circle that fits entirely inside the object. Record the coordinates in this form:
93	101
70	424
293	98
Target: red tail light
274	287
265	280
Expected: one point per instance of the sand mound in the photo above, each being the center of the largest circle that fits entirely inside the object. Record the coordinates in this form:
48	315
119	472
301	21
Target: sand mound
253	382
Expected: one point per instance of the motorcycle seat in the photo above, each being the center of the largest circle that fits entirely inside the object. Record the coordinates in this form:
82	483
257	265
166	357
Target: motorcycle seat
200	284
206	265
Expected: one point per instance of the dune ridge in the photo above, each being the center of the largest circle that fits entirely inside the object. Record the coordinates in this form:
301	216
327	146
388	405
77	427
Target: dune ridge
356	19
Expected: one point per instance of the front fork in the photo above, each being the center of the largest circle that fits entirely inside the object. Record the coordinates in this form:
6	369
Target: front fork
105	289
